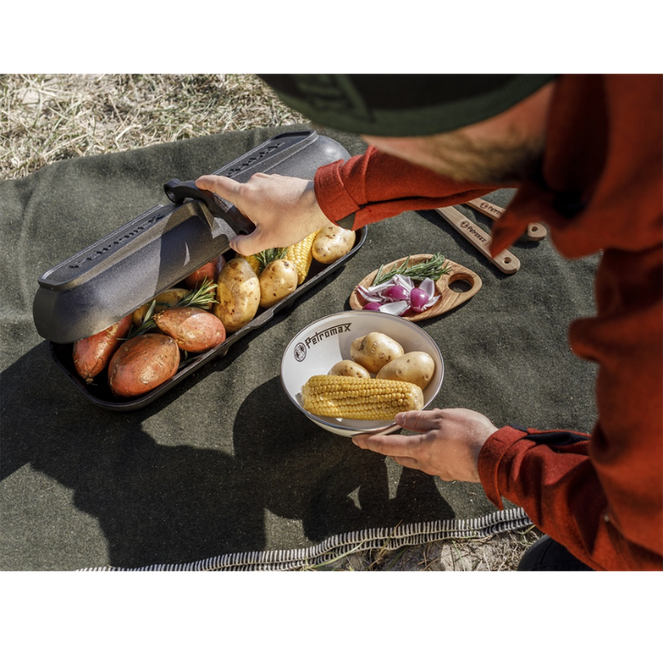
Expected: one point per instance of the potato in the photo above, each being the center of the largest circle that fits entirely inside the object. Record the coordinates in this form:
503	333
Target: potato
331	243
349	368
253	260
192	328
413	367
210	271
165	299
92	354
143	363
277	280
374	351
238	294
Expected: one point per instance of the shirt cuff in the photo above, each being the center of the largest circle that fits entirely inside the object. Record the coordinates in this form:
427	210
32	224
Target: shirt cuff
490	456
333	198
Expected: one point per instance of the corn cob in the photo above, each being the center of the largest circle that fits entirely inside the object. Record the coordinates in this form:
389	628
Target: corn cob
350	397
300	254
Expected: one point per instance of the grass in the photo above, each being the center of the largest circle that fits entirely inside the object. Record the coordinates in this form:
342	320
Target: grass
47	118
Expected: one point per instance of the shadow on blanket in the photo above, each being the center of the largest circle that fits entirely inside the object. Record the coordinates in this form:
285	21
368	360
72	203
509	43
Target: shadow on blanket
173	504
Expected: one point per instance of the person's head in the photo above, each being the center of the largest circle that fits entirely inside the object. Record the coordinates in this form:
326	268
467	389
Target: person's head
486	128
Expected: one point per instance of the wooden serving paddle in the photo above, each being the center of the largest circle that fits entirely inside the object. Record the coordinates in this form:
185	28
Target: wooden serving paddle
506	261
535	231
449	298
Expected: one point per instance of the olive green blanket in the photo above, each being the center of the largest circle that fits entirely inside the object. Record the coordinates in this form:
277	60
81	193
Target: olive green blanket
223	472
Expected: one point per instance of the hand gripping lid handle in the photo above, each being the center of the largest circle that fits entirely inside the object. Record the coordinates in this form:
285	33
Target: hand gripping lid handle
215	207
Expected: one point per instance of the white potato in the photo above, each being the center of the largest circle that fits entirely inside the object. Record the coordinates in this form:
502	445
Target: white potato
238	294
413	367
331	243
349	368
373	351
277	280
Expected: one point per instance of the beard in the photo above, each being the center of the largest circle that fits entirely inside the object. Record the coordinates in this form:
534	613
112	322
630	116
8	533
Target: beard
503	158
505	161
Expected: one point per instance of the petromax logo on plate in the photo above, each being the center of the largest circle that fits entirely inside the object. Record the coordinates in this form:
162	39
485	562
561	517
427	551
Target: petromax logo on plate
302	348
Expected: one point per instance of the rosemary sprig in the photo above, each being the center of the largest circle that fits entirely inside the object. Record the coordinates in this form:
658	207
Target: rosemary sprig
269	255
432	268
202	297
147	325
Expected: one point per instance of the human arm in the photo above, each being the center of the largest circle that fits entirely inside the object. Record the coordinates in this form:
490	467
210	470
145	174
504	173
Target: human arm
264	199
359	191
447	442
376	186
548	473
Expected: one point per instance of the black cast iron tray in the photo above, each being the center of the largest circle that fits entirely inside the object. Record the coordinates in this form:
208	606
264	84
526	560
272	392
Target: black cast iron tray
101	284
99	392
98	286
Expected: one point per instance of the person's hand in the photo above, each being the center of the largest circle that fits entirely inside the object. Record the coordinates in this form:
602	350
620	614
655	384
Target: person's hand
448	443
283	209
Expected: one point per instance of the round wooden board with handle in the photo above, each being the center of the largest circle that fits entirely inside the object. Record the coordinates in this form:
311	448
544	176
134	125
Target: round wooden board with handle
449	298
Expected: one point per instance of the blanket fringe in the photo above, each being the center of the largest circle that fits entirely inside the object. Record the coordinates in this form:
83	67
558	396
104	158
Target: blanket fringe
338	546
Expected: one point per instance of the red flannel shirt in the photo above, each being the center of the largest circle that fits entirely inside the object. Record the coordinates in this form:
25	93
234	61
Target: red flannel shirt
600	496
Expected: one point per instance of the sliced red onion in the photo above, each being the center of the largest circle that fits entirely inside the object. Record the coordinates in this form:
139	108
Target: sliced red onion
372	294
418	300
397	308
396	292
396	296
376	293
428	286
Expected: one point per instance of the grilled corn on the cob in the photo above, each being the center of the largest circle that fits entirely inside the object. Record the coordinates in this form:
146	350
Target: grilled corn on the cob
300	254
359	398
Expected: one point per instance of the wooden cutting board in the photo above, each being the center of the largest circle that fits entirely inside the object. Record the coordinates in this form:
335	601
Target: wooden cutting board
449	299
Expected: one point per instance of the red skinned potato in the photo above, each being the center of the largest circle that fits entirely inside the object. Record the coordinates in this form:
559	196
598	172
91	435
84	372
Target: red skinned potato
210	271
143	363
92	354
192	328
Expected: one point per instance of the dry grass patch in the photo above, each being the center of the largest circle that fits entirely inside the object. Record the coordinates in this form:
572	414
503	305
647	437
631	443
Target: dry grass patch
46	118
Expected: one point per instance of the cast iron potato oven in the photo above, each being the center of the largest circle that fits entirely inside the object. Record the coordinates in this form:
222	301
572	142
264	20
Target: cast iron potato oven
108	280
